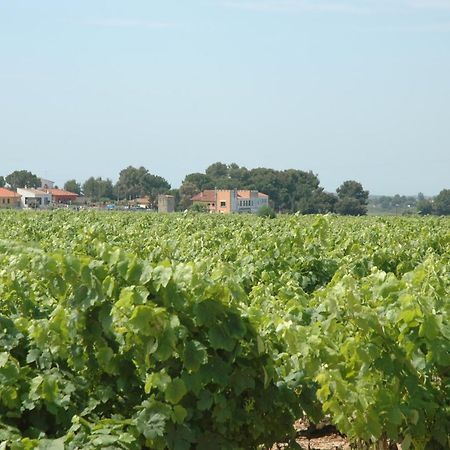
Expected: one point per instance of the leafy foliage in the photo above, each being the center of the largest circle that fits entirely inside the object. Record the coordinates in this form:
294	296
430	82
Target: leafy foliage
442	203
21	179
211	331
98	189
353	199
139	182
266	211
289	190
72	186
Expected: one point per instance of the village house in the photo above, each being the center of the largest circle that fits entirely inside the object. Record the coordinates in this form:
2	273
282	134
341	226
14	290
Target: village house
61	196
9	199
34	198
228	201
141	202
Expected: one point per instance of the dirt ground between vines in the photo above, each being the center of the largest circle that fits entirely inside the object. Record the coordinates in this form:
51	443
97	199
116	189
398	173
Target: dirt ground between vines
329	441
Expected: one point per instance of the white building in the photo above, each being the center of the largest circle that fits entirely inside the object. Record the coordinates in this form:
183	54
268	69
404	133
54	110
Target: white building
249	201
34	198
46	184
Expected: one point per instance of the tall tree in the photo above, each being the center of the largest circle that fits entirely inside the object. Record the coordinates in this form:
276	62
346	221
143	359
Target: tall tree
354	189
2	182
349	206
353	199
138	182
186	192
23	178
304	188
238	175
424	207
200	180
442	203
324	202
217	170
289	190
72	186
98	189
266	181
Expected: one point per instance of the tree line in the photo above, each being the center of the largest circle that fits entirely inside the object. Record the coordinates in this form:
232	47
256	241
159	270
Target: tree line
290	190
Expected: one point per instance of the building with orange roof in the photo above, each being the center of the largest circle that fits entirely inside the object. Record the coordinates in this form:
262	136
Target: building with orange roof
9	199
206	198
228	201
61	196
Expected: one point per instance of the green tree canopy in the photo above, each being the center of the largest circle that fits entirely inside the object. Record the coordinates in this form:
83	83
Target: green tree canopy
138	182
442	203
424	207
199	180
289	190
353	189
23	178
186	192
217	170
324	202
2	182
98	189
352	200
349	206
73	186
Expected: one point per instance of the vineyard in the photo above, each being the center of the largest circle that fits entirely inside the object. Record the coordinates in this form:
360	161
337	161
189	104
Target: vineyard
190	331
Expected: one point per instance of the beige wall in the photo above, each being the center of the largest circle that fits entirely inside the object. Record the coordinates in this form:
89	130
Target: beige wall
9	202
166	203
223	201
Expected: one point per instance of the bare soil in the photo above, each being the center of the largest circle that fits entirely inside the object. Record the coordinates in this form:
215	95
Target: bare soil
322	437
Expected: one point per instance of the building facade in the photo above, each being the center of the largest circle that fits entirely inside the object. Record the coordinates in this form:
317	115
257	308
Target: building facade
61	196
228	201
166	203
34	198
9	199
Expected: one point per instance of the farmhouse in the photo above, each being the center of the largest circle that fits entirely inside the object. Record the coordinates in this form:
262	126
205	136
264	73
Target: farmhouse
61	196
228	201
34	198
142	202
9	199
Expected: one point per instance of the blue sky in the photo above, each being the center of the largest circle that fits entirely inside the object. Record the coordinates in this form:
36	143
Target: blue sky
350	89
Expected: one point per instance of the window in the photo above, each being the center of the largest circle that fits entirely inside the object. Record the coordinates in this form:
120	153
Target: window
223	204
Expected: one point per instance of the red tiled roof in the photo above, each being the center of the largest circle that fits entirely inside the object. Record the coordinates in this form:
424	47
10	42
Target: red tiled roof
7	193
142	200
60	193
246	193
208	195
243	193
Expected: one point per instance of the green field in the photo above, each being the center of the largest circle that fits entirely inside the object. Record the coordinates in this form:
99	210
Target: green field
135	330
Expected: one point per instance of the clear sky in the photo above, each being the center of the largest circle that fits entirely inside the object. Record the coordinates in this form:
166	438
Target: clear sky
350	89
